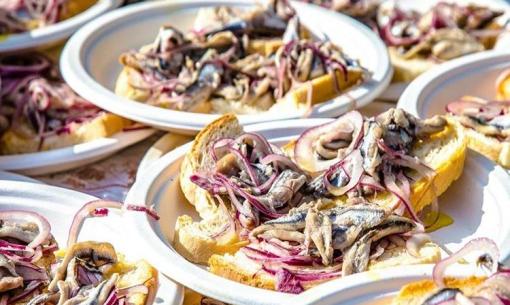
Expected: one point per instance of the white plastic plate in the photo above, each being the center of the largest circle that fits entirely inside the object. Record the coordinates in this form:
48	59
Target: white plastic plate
16	177
478	202
58	205
374	287
394	90
46	36
89	62
61	159
471	75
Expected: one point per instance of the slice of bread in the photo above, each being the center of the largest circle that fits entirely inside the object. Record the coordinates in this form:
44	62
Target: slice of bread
130	274
241	269
444	152
490	147
416	293
104	125
405	70
193	239
75	7
136	273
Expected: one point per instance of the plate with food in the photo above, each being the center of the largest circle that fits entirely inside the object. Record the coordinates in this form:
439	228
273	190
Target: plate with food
479	280
49	257
16	177
475	91
46	127
278	208
262	62
34	24
422	34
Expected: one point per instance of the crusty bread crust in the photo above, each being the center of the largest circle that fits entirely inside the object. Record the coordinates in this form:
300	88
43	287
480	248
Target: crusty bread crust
489	147
416	293
193	239
405	70
74	7
106	124
141	273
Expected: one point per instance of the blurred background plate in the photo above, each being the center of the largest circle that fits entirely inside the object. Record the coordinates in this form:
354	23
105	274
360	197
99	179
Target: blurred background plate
394	90
89	62
52	34
61	159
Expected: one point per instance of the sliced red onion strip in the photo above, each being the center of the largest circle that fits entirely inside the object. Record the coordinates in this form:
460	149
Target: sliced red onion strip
29	289
479	244
89	210
286	282
281	160
356	161
415	242
123	292
246	164
42	224
304	149
230	226
402	193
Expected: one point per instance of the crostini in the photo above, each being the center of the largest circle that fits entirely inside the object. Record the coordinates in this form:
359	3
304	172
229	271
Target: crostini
442	289
36	272
419	41
318	202
40	112
486	123
240	62
22	16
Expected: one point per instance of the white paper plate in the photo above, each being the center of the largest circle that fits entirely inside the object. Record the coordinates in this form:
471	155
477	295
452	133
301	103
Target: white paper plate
374	287
471	75
61	159
49	35
59	204
89	62
16	177
478	202
394	90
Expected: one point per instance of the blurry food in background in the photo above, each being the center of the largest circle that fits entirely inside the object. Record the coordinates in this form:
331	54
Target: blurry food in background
238	61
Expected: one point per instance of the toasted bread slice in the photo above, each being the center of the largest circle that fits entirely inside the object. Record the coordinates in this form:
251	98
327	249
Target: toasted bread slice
444	152
405	70
130	274
74	7
489	147
106	124
139	272
319	90
417	293
193	239
241	269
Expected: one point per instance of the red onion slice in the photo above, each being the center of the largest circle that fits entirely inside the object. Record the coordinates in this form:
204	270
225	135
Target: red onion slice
403	193
356	161
96	209
415	242
479	244
287	282
283	161
304	151
88	210
42	224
